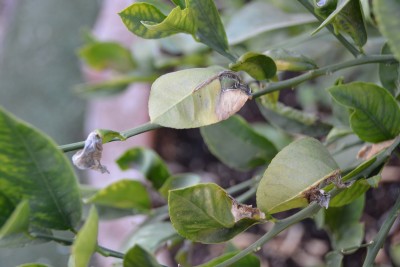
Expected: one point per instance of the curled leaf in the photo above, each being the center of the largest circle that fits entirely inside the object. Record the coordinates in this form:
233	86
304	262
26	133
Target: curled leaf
196	97
89	157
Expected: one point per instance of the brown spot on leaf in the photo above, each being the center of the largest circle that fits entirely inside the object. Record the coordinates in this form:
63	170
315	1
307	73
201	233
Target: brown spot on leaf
241	211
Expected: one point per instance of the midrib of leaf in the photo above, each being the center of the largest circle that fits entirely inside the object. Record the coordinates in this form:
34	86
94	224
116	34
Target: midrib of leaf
373	119
44	178
202	210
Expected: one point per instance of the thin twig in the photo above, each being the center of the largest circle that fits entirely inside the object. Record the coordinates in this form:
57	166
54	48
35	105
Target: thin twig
327	70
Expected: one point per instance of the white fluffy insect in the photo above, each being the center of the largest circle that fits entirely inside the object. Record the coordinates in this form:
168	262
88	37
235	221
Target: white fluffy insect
89	157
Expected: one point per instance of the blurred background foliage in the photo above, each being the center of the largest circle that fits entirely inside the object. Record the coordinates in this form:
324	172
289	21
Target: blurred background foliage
38	68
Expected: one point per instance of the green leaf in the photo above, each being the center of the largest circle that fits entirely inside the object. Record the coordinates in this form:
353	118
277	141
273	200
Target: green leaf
6	208
133	16
107	55
178	21
389	74
249	260
151	236
337	133
343	224
277	137
375	114
180	3
108	135
206	213
200	18
196	97
259	17
292	120
334	259
348	18
124	194
226	138
386	13
179	181
296	169
18	222
258	66
287	60
147	162
86	241
110	87
350	194
137	256
210	29
33	168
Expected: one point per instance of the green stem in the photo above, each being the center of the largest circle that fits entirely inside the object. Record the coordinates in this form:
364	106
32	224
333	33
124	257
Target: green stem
309	211
378	241
327	70
354	51
109	253
238	187
128	133
69	242
278	227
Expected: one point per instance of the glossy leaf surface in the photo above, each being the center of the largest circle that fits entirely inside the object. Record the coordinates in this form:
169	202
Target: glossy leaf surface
236	144
31	166
375	114
294	170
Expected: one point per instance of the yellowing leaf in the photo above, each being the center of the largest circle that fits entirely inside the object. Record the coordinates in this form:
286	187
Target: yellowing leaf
296	169
196	97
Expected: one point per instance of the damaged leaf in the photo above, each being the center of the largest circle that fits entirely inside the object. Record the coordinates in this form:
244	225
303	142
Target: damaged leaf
196	97
295	176
89	157
206	213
